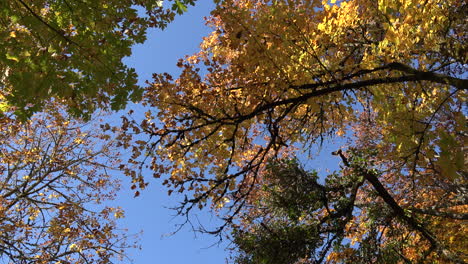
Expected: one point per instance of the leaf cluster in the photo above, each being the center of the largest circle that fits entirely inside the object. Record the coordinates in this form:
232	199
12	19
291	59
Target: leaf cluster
72	51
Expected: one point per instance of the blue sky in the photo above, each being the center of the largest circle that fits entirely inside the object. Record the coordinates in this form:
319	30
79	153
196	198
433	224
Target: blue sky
149	212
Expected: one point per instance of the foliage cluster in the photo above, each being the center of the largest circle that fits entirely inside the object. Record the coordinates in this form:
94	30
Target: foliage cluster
72	51
280	77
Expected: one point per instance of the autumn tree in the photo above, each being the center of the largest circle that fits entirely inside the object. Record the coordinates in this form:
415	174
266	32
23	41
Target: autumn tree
73	51
56	174
276	78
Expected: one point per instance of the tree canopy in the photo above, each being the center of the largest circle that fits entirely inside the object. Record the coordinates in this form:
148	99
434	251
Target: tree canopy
274	79
72	51
56	176
235	130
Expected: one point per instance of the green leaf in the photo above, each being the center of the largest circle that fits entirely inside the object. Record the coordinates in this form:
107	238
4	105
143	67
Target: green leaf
179	7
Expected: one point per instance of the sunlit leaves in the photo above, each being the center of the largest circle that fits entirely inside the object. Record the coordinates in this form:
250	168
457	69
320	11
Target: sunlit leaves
73	51
55	175
274	79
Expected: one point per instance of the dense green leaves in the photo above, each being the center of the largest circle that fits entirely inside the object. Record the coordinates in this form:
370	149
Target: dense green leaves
297	218
72	51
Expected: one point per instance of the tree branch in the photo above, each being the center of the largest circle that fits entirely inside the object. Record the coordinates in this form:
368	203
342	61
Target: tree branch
399	212
461	84
60	33
334	87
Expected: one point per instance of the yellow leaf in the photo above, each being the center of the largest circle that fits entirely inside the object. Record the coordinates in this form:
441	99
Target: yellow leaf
12	57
